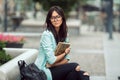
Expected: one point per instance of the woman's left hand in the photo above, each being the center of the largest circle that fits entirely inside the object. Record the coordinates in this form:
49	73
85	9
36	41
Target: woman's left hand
67	51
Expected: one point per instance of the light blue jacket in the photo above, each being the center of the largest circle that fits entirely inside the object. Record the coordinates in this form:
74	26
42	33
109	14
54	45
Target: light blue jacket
46	52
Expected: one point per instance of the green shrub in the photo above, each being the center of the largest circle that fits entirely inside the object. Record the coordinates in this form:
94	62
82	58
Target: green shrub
3	56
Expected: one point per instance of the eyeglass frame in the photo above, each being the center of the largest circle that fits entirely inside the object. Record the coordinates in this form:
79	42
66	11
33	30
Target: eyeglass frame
57	18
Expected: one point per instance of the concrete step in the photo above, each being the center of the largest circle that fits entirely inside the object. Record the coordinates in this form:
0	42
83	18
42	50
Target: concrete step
38	26
97	78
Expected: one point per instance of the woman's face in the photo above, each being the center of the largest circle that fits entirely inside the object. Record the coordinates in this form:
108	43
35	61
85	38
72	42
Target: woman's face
56	19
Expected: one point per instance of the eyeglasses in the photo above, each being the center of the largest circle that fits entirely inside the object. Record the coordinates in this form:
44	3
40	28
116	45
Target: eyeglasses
57	18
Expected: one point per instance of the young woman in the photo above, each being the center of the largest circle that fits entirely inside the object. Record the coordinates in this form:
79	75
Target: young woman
57	67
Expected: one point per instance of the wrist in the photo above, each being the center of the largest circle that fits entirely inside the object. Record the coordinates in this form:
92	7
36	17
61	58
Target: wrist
65	53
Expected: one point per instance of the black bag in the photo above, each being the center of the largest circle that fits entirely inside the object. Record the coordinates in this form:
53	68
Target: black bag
31	71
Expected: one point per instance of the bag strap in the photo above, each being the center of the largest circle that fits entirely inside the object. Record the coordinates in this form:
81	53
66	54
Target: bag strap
21	64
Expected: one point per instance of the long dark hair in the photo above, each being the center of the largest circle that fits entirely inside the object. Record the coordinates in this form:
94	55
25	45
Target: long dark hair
62	34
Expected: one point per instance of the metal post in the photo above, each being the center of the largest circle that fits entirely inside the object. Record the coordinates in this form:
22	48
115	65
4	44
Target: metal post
119	17
5	16
109	11
110	23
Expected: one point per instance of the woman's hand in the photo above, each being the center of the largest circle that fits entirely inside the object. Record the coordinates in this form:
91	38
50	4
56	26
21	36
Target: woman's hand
48	65
67	51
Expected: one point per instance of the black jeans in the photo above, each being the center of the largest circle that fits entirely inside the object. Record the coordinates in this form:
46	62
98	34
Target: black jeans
67	72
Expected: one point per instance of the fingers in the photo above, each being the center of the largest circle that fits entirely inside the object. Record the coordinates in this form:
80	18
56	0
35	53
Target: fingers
67	50
86	73
77	68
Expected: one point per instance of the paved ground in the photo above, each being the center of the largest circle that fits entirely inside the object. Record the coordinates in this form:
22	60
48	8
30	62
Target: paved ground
112	57
87	50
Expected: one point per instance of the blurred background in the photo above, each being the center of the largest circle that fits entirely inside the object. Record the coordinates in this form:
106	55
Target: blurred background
93	26
94	13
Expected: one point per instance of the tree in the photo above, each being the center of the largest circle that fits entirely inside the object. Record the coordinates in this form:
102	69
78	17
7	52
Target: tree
67	5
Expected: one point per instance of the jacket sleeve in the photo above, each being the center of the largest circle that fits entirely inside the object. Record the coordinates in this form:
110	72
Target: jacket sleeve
47	44
67	56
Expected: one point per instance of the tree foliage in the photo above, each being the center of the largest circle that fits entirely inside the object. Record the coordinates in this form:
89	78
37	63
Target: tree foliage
66	5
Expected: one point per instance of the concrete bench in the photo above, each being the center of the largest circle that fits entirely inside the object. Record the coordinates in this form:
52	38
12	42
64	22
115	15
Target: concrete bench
10	70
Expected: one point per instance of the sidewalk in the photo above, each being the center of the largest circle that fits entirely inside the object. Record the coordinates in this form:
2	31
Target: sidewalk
112	57
87	50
